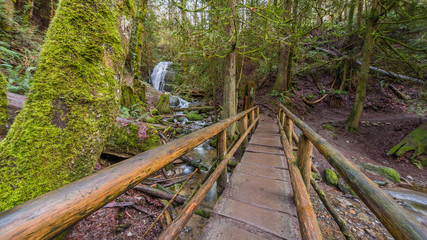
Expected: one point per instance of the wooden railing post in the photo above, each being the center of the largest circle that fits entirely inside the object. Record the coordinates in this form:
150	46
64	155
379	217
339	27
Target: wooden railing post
283	119
252	119
304	153
289	127
243	127
222	151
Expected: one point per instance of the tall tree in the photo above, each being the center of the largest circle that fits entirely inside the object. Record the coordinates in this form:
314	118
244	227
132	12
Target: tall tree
59	134
230	106
282	80
368	45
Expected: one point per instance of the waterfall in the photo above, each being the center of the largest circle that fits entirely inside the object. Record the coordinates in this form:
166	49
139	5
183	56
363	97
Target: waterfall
157	78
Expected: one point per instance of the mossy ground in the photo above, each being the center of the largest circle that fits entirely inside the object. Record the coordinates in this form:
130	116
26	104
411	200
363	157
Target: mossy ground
59	134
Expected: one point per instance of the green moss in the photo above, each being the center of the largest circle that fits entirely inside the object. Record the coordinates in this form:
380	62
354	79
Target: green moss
415	141
386	172
203	213
132	138
331	177
3	103
74	100
155	112
163	104
151	120
171	119
194	117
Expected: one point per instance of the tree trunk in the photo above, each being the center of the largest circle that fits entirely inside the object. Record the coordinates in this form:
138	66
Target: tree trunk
3	104
59	134
368	45
351	15
6	18
359	15
282	80
230	106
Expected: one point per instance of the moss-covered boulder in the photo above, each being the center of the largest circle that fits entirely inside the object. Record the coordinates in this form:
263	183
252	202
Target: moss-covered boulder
194	117
132	138
58	136
386	172
331	177
3	103
415	141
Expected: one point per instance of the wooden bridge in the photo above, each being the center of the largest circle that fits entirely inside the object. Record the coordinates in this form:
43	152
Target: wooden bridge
266	197
258	203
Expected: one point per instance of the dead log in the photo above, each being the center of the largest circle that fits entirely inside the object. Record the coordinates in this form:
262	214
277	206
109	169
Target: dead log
398	93
341	222
159	193
202	109
394	75
314	102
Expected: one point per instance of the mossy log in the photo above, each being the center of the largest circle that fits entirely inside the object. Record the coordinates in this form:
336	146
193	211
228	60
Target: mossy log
3	103
132	138
130	97
163	105
201	109
159	193
341	222
73	103
415	141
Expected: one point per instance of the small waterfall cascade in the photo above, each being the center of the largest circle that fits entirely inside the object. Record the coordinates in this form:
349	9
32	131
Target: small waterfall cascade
157	78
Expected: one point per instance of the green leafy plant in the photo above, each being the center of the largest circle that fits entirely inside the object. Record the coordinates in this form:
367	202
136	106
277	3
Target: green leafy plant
19	79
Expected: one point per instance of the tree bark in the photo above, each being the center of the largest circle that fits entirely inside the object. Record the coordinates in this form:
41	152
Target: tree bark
282	80
368	45
59	134
230	106
3	104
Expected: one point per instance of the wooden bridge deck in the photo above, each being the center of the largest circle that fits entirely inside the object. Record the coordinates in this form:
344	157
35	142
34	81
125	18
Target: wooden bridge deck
258	202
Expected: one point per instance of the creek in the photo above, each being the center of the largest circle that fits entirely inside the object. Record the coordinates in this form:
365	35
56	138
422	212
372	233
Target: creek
413	201
161	79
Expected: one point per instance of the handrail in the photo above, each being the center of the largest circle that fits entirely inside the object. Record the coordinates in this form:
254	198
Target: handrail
392	216
309	228
48	215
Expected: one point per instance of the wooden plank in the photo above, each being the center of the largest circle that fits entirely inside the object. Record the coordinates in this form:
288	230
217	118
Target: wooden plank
392	216
48	215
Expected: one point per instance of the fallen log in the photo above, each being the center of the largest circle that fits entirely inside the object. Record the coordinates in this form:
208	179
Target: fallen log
204	108
341	222
159	193
394	75
314	102
398	93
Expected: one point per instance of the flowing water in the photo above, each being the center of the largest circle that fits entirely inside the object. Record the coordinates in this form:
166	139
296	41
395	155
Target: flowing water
414	202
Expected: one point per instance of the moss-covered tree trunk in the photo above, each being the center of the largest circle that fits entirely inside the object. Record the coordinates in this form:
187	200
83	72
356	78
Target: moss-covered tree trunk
6	15
59	134
368	45
282	80
3	104
229	94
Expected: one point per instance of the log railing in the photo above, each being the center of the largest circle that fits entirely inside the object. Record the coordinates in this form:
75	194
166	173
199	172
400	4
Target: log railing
400	224
50	214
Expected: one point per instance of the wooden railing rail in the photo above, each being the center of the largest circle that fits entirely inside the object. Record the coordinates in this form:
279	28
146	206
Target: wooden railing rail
50	214
307	220
400	224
